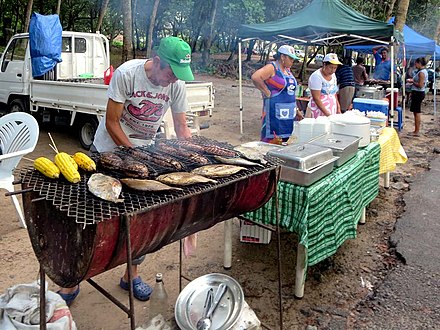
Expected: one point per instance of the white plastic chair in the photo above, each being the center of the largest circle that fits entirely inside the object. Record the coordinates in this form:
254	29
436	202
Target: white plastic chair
18	136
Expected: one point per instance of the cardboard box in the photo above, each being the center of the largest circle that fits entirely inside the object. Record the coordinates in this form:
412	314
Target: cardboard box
250	233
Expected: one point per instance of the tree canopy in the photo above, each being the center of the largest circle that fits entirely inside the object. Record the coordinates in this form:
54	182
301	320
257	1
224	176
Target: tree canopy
207	25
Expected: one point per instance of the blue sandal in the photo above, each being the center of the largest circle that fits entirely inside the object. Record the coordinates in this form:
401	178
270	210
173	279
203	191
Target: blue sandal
141	291
69	297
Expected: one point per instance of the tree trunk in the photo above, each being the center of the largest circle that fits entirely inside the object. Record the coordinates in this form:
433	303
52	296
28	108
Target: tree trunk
402	9
58	7
151	28
28	15
390	9
102	14
127	44
208	40
437	33
250	50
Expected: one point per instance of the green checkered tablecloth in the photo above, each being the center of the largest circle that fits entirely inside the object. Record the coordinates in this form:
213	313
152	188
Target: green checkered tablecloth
326	213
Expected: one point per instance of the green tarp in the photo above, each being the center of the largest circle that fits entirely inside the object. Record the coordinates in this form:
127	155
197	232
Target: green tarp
321	19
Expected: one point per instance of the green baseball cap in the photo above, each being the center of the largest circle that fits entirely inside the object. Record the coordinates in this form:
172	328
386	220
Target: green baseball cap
177	53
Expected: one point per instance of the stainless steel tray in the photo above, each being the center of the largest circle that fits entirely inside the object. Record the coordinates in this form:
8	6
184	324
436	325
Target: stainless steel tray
302	157
189	305
343	146
307	177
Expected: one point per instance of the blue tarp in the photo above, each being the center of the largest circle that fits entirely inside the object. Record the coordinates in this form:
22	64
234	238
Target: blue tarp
416	45
45	35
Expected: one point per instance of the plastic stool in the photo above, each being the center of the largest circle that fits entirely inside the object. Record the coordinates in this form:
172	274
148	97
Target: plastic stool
399	123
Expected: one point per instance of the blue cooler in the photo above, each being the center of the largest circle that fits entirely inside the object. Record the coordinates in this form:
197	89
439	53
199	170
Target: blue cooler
398	119
365	105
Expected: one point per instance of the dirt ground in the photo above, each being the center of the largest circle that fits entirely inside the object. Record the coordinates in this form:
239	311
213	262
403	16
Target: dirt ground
333	288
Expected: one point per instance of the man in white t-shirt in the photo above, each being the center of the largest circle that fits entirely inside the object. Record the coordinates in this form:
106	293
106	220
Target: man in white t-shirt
140	92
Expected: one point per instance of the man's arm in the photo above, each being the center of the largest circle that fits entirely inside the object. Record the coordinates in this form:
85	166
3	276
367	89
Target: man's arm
180	126
113	124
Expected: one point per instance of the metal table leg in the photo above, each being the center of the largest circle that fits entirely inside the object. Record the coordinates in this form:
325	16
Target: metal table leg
227	261
42	299
363	216
301	261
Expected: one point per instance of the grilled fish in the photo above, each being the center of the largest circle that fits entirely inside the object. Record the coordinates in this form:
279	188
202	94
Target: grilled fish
147	185
183	179
134	169
110	161
154	158
192	156
236	161
251	154
217	170
207	149
105	187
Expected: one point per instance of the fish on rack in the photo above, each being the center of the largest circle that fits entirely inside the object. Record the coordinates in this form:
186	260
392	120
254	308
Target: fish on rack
207	149
134	169
218	170
192	156
153	157
251	154
147	185
105	187
110	161
236	161
183	179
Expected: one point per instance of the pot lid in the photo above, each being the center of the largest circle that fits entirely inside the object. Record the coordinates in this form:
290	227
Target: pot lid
349	119
189	305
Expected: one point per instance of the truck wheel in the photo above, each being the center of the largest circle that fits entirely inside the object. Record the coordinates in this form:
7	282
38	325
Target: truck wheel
87	130
18	105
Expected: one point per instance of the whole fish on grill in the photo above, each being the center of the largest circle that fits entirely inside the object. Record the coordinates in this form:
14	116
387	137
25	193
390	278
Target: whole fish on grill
187	144
153	157
236	161
192	156
110	161
147	185
207	149
251	154
134	169
105	187
217	170
183	179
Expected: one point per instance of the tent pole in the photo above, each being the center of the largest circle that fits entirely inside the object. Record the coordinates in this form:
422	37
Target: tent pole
434	89
392	84
240	87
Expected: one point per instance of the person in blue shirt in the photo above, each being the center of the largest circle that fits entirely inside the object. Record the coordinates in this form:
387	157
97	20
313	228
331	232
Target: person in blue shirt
382	69
345	77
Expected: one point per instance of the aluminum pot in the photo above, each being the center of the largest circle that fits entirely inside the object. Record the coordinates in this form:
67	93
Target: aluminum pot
350	124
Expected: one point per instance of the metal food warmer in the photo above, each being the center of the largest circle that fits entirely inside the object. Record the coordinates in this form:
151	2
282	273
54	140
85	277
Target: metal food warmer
76	235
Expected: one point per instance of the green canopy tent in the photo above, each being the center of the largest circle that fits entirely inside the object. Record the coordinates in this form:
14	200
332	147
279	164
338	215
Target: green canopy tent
323	22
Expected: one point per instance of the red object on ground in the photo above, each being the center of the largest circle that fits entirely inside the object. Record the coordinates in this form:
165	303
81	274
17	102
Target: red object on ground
108	74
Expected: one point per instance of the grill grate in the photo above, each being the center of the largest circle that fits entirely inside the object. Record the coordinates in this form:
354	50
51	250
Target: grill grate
86	209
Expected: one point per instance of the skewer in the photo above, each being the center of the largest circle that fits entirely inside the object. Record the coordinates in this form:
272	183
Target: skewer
54	147
28	159
17	192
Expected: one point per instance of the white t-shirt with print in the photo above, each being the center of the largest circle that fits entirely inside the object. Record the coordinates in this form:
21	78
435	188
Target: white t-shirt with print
145	104
318	83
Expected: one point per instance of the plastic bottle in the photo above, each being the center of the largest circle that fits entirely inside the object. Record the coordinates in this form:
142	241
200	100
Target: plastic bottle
159	299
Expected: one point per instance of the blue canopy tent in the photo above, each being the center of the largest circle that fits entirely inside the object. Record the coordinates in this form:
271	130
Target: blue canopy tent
416	45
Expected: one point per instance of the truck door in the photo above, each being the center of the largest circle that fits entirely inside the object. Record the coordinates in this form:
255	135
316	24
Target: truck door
12	70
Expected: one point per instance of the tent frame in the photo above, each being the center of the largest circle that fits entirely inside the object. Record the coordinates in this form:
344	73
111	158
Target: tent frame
325	39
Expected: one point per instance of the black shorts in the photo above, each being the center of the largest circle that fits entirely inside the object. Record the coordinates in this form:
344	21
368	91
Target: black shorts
416	101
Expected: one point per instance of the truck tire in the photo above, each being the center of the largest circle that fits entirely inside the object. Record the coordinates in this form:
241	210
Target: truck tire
18	105
87	130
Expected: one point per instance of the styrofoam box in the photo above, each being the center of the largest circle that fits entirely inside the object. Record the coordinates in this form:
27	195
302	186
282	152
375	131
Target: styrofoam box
365	105
250	233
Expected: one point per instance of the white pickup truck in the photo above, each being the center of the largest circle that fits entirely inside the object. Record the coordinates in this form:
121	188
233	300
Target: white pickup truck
74	92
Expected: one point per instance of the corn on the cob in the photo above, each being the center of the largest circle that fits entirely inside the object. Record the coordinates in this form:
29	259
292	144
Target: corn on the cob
74	164
84	161
65	164
47	167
